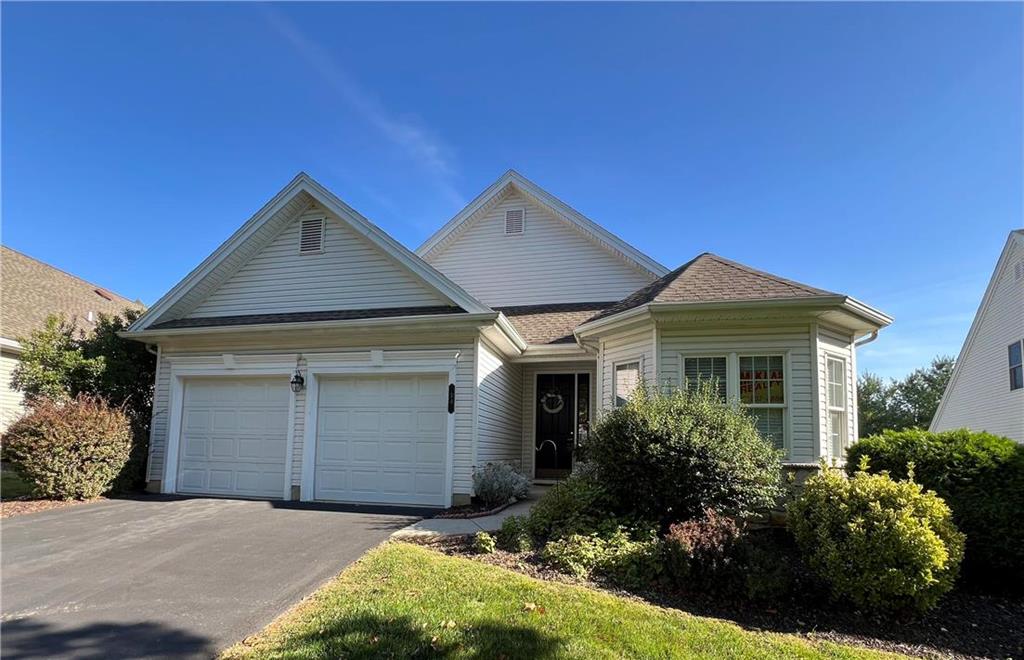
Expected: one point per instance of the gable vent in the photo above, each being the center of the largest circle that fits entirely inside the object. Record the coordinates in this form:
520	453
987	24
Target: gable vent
311	236
1018	271
514	221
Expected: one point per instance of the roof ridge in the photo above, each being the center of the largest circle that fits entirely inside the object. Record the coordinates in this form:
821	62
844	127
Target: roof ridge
69	274
761	273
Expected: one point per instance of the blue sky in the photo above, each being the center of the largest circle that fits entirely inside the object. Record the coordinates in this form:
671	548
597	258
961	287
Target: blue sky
873	149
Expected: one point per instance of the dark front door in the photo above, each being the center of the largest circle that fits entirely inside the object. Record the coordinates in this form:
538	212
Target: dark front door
556	425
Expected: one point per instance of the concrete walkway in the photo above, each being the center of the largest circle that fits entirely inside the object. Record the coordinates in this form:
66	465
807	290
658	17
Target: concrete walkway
434	528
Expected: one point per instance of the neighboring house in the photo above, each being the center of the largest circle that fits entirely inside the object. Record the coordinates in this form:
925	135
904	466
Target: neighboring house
499	339
31	291
986	390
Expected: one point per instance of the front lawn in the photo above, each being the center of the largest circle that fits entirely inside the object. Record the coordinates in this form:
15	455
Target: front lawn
403	600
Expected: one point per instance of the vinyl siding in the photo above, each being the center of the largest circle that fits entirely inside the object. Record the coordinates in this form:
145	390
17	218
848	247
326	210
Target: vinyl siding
349	274
529	401
794	341
499	420
11	400
549	262
979	396
462	458
832	343
626	346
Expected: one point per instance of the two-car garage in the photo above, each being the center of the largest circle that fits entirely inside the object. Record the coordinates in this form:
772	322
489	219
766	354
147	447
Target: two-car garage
379	438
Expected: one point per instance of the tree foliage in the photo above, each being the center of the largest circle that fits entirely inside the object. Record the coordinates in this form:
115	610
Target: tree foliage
60	362
902	404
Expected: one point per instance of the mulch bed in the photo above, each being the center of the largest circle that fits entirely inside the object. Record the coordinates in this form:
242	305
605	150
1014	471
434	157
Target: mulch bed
19	507
471	511
967	624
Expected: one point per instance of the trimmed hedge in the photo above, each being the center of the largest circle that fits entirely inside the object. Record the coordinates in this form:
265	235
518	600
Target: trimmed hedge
670	457
70	450
879	543
981	477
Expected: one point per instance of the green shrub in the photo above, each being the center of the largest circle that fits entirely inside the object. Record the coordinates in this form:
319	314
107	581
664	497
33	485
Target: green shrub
702	554
70	449
981	477
576	505
484	543
771	569
513	536
497	483
670	457
880	543
621	559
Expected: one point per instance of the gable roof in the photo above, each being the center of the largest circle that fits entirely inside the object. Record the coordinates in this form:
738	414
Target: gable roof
263	226
593	231
553	323
1016	237
711	278
31	290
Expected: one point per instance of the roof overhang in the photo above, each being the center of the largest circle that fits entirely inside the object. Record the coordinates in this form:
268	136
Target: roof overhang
11	345
555	353
840	310
393	323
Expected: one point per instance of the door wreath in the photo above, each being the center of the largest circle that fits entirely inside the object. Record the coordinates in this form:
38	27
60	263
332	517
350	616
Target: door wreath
552	402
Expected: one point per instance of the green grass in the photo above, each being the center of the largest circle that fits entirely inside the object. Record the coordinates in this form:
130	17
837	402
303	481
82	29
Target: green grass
402	601
13	486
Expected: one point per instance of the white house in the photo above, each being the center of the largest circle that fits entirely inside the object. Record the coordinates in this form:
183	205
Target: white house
986	390
499	339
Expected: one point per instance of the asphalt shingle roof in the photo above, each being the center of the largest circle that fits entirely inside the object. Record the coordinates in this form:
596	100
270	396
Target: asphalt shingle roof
551	323
306	317
711	278
31	290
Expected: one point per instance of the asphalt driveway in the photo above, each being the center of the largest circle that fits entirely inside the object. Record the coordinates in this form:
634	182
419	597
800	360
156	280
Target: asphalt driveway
167	577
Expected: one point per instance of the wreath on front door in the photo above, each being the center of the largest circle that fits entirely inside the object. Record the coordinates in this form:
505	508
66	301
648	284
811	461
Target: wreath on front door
552	402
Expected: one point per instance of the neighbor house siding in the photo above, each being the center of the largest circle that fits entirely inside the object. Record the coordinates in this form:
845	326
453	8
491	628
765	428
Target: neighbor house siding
350	273
979	395
499	434
530	399
11	400
793	341
833	343
636	344
549	262
462	459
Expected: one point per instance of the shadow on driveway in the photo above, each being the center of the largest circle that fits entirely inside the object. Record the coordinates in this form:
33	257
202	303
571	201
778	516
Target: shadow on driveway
30	638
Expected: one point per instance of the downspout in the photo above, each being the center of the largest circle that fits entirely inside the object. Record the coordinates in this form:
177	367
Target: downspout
864	342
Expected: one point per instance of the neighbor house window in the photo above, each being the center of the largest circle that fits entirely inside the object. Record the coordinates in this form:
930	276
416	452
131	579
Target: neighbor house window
1016	365
837	428
762	383
627	377
705	369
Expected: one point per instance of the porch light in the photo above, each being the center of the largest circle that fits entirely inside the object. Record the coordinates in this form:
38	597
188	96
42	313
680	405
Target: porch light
297	382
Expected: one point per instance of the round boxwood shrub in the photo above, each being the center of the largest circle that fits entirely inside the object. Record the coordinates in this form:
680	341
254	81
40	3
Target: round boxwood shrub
981	477
879	543
670	457
70	449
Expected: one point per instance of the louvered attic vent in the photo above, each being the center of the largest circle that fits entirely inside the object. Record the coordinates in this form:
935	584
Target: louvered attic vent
514	221
1018	271
311	236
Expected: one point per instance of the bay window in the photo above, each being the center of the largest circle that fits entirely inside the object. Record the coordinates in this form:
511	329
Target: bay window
627	378
762	390
711	369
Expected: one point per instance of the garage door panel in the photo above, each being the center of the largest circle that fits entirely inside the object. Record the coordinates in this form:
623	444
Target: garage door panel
387	435
235	437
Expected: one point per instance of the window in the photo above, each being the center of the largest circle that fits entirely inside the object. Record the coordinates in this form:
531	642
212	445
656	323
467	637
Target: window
698	369
627	377
1016	365
762	383
311	236
514	221
837	428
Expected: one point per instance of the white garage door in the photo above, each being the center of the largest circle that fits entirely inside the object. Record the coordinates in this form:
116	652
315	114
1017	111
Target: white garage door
234	437
382	439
